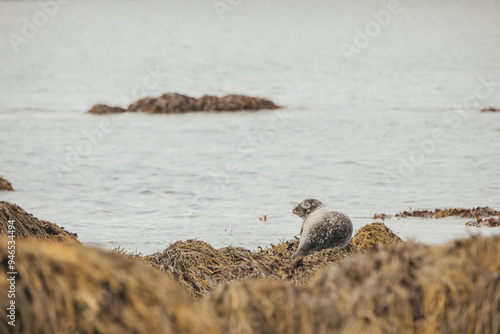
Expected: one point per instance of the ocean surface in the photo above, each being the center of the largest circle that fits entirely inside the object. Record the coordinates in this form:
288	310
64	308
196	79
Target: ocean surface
381	114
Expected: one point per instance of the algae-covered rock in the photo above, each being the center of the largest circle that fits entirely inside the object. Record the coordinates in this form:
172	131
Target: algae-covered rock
488	222
5	185
69	288
200	268
478	312
174	103
27	226
416	288
490	109
373	234
100	109
274	307
452	212
170	103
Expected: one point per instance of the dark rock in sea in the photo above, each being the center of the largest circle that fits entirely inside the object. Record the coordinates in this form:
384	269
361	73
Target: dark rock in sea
491	109
100	109
174	103
171	103
5	185
232	103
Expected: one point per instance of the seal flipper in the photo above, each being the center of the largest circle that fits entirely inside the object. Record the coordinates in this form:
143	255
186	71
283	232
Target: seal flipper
297	254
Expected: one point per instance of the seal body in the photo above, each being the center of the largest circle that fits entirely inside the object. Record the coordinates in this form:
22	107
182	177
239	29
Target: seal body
321	229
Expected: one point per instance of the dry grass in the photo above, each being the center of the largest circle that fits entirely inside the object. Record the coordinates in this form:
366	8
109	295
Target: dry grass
27	226
68	288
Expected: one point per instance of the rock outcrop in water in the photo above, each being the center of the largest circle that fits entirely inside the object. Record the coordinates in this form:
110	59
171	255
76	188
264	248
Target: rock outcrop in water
490	109
174	103
5	185
27	226
100	109
488	222
484	211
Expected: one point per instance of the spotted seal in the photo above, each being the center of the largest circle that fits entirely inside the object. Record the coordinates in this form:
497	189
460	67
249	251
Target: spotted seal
321	229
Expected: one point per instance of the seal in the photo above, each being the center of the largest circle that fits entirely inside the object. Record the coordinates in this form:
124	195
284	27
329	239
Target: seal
321	229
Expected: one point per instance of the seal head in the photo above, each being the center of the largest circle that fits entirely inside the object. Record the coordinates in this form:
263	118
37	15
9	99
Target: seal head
304	209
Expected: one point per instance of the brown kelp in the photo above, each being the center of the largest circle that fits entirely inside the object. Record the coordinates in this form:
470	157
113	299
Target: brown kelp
490	109
452	212
414	288
373	234
69	288
5	185
489	222
28	226
271	307
199	267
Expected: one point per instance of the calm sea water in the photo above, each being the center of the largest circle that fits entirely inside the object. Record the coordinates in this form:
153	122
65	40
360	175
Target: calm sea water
383	130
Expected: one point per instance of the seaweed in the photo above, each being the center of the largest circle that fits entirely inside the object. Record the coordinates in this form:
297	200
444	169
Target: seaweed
28	226
455	212
200	268
68	288
5	185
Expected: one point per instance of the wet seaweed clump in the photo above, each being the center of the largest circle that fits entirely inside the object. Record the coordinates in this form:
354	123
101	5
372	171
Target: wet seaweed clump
372	234
415	288
174	103
455	212
200	268
262	306
382	216
477	311
488	222
69	288
27	226
5	185
490	109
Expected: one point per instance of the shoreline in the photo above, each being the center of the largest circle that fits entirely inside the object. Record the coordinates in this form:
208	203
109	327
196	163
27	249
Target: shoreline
325	291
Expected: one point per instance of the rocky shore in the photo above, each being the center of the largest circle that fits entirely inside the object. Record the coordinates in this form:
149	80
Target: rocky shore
28	226
174	103
378	284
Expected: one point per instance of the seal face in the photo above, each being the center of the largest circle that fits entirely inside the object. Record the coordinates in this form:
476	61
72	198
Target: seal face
304	209
321	229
